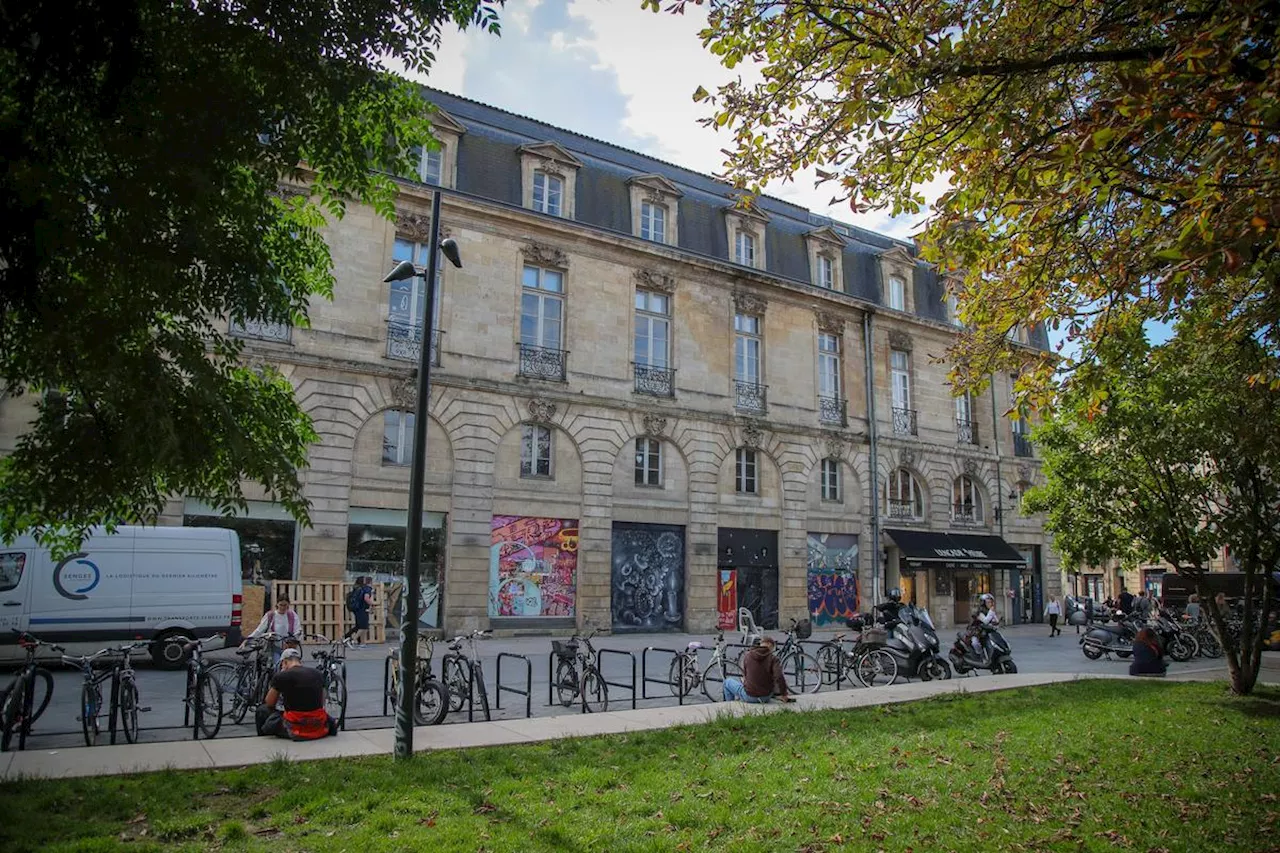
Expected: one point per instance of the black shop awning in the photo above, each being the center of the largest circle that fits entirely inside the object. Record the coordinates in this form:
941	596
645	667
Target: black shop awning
931	549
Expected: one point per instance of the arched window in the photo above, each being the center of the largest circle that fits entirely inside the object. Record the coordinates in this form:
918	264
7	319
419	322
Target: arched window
903	496
966	501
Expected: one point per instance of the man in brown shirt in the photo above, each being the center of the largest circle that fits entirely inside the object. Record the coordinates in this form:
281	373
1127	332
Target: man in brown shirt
762	677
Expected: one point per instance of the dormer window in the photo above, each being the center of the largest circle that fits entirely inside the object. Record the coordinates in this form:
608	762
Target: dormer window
548	193
549	174
438	164
826	253
746	232
897	276
744	249
655	209
653	222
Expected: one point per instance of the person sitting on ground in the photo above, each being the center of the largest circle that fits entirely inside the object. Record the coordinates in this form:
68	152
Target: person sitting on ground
1148	659
301	689
762	677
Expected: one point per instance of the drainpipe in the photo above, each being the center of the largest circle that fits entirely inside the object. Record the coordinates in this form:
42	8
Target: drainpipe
877	556
995	444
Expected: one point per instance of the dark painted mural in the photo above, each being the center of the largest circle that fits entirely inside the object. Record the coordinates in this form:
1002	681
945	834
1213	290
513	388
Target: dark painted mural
754	553
648	577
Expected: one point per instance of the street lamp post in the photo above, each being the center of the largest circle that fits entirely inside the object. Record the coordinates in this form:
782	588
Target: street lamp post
417	477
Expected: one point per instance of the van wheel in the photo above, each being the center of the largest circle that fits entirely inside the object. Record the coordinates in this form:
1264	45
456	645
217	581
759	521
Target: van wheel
166	649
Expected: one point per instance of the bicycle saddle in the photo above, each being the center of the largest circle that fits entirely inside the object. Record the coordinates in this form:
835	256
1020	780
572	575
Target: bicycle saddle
693	646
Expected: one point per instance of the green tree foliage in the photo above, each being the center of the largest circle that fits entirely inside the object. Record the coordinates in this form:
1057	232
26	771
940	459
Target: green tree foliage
143	142
1108	161
1162	452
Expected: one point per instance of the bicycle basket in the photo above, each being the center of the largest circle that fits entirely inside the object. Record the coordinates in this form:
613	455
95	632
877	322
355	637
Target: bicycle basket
564	651
875	636
804	629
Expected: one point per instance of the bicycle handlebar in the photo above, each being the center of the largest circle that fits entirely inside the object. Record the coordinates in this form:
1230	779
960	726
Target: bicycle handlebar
31	641
81	661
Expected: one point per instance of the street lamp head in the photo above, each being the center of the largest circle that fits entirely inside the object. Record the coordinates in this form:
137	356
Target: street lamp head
450	248
403	270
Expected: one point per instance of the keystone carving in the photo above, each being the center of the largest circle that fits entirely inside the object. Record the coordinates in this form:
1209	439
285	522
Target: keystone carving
971	467
656	281
541	411
404	394
835	444
414	226
745	303
830	323
752	436
907	457
899	340
1024	472
542	255
655	425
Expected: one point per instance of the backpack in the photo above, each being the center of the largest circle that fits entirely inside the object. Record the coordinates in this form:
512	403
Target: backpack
355	599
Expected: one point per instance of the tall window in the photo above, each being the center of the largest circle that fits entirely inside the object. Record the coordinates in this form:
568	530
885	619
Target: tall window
828	365
409	297
648	462
432	169
653	329
548	193
953	309
826	273
535	451
964	407
542	308
747	346
831	479
744	249
897	293
746	479
903	497
966	500
653	222
397	437
900	377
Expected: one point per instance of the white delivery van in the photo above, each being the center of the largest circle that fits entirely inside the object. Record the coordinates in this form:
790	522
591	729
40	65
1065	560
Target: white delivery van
139	582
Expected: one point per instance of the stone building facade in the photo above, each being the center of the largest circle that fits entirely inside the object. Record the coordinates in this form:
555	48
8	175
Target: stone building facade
649	404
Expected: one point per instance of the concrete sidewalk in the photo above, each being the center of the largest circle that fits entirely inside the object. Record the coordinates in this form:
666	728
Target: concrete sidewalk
238	752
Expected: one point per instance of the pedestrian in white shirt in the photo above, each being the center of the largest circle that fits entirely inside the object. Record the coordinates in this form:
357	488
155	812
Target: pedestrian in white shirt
281	619
1053	610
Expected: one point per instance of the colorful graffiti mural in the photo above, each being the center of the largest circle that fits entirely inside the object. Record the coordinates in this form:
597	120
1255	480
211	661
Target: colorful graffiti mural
833	577
533	566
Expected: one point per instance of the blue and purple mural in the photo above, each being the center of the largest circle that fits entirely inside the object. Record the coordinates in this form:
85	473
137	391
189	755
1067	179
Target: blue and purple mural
833	577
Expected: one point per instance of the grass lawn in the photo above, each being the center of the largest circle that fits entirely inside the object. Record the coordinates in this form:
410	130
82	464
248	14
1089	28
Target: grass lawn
1102	765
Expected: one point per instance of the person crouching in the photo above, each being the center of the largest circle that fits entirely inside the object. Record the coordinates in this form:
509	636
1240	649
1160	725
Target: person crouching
301	689
762	678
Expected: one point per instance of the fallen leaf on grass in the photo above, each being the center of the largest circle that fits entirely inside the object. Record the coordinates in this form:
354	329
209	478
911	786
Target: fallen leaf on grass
138	818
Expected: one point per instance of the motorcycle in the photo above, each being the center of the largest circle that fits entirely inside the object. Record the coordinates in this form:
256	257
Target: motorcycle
995	655
913	643
1178	644
1102	639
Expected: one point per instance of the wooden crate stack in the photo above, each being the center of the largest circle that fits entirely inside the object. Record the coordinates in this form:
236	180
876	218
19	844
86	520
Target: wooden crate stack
322	607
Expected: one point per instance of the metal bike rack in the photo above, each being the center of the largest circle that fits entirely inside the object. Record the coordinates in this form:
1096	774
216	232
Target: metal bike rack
386	683
621	685
471	694
645	680
811	647
527	692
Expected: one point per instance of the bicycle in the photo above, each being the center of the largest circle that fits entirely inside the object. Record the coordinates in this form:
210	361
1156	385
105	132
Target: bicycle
18	711
431	702
871	665
332	664
461	673
802	670
203	702
687	677
251	676
577	676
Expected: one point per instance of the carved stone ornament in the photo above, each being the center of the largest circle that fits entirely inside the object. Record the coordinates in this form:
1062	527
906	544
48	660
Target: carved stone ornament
832	324
542	255
746	303
404	394
971	467
1024	472
907	457
541	410
752	435
655	196
655	425
414	226
658	282
899	340
835	445
549	167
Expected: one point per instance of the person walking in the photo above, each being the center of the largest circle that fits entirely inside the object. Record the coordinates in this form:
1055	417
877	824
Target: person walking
1053	610
281	620
359	602
1143	606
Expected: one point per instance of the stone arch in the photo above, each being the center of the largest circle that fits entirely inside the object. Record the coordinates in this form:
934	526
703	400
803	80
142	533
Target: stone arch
367	460
564	485
922	484
675	474
769	473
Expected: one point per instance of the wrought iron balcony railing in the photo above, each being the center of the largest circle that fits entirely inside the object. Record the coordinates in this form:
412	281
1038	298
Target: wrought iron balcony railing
404	342
903	509
657	381
749	397
966	514
966	431
832	410
1022	446
543	362
262	330
904	421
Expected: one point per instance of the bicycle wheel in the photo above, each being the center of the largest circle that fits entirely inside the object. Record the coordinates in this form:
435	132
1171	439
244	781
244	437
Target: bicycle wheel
830	659
225	673
876	668
713	678
40	675
595	693
335	696
128	709
566	683
208	710
482	691
90	707
457	681
11	715
803	673
682	677
432	703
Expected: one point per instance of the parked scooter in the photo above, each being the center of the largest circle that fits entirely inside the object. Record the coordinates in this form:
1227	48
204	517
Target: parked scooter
1179	644
1117	639
913	641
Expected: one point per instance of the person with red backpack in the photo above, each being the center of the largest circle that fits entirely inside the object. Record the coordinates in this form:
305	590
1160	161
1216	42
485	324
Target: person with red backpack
300	689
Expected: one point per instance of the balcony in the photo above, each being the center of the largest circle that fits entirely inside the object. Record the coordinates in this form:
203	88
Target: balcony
966	431
655	381
904	421
543	362
749	397
1022	445
832	410
261	330
966	514
903	509
404	343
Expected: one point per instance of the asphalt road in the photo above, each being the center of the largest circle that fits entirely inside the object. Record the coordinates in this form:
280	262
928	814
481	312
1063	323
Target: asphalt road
162	691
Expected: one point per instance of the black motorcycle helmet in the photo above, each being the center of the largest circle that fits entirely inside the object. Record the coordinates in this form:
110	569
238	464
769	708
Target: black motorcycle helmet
895	594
